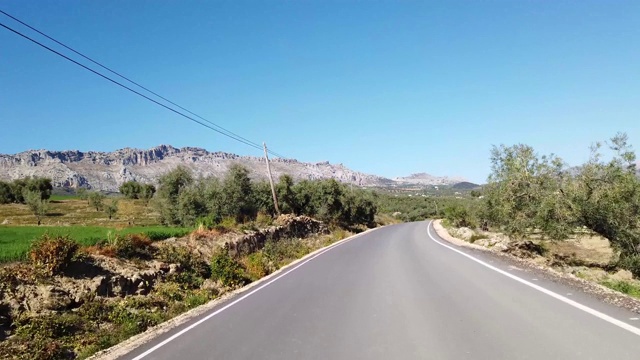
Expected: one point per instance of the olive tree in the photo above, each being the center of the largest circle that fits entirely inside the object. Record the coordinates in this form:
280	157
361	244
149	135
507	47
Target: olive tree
36	204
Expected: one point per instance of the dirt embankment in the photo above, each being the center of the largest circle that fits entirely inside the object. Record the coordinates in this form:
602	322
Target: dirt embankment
109	283
584	261
103	276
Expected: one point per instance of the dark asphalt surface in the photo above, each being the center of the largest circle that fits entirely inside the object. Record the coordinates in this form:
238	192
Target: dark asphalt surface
395	293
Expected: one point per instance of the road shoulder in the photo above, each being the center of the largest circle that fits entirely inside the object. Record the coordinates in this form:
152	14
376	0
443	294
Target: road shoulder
591	288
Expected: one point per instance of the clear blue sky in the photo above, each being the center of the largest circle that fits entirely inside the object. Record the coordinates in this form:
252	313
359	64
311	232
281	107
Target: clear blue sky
385	87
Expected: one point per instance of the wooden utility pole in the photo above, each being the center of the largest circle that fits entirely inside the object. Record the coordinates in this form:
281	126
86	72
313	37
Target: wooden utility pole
273	189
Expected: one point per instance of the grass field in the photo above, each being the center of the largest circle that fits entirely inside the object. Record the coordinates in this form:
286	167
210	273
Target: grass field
15	240
69	215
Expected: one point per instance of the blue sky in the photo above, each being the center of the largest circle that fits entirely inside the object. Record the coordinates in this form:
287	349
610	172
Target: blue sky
385	87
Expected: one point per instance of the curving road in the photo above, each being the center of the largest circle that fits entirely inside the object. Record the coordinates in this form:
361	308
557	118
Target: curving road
400	292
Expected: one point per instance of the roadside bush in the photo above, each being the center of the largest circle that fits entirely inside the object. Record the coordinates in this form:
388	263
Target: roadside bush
228	223
475	237
134	246
136	321
198	297
283	251
263	220
52	254
623	287
170	291
55	326
256	266
157	235
461	216
97	311
225	269
188	261
35	348
631	263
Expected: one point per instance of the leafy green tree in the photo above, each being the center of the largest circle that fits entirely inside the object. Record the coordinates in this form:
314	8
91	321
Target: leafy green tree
522	190
41	185
36	204
170	186
213	199
96	200
6	195
606	197
146	193
286	195
131	189
191	205
112	208
329	201
264	198
82	193
238	194
306	193
17	189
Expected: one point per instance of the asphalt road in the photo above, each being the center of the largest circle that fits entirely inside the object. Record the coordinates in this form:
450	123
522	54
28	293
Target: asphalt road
396	293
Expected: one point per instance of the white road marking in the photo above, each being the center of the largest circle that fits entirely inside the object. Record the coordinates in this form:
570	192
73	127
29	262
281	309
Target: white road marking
596	313
181	332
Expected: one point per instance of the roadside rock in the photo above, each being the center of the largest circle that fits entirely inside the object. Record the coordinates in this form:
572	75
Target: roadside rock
462	233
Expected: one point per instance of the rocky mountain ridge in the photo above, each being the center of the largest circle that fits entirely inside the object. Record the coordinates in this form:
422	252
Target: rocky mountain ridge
108	170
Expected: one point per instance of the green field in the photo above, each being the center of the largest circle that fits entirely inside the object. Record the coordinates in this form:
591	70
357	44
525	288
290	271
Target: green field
15	240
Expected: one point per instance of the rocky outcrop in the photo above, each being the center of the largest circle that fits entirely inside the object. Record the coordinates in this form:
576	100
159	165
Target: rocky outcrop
108	170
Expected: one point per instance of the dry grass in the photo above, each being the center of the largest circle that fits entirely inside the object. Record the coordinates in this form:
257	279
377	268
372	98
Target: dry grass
585	247
77	212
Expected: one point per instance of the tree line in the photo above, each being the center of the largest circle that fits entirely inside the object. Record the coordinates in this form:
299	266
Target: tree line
184	200
531	193
32	191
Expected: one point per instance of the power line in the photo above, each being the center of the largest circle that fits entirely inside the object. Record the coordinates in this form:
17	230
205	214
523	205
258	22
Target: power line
219	129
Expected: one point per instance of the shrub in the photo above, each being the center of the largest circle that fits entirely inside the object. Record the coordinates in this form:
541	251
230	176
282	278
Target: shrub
280	252
256	266
157	235
623	287
38	348
188	261
475	237
460	216
227	223
197	298
631	263
54	326
134	321
96	311
263	220
169	290
52	254
225	269
134	246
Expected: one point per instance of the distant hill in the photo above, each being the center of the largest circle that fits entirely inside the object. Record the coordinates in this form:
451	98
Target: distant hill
465	185
106	171
427	179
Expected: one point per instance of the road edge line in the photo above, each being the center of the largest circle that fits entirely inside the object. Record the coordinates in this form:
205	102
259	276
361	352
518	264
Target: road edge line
577	305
